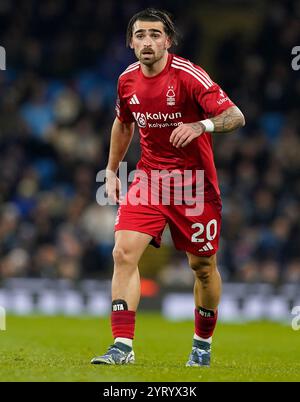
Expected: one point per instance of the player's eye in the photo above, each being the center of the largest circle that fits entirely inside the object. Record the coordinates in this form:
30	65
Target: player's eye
139	36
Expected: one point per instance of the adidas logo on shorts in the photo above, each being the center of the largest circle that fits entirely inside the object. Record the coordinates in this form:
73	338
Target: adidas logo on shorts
207	247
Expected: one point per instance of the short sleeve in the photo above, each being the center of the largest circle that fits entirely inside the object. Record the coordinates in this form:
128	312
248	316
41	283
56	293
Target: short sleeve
210	97
213	100
123	112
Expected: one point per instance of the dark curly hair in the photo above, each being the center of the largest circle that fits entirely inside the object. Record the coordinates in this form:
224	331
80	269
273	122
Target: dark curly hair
152	14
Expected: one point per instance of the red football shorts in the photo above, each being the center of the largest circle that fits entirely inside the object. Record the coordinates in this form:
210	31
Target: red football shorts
198	235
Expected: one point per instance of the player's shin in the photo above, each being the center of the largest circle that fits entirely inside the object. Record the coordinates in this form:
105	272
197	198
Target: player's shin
122	322
205	323
125	299
207	292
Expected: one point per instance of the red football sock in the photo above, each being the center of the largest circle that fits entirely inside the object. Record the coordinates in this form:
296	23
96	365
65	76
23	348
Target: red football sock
123	323
205	325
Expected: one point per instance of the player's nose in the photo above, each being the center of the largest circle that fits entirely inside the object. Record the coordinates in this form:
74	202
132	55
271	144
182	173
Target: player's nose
147	42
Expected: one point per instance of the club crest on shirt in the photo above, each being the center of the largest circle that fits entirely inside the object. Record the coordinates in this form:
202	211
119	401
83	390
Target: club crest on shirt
170	96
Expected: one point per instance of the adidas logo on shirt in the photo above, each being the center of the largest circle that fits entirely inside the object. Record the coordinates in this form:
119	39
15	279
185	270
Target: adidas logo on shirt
207	247
134	100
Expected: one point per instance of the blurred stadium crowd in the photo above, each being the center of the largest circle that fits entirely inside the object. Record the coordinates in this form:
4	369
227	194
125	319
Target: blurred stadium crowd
56	109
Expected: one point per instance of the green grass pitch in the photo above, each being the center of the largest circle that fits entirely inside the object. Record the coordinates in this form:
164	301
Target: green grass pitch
40	348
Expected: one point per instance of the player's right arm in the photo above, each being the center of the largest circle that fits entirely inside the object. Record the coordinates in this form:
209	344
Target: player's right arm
121	136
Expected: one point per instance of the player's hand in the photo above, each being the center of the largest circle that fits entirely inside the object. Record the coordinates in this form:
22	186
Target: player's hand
113	187
185	133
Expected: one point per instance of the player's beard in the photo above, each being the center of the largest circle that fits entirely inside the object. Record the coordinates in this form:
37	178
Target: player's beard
150	59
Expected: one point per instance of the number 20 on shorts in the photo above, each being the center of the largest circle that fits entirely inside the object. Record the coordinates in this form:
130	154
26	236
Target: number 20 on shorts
209	231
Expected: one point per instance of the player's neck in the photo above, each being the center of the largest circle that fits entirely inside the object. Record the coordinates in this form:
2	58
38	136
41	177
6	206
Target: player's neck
156	68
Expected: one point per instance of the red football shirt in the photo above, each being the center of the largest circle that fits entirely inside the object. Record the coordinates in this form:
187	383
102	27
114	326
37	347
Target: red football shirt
181	93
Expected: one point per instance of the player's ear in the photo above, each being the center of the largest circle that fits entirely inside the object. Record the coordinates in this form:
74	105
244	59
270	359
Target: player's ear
131	44
168	43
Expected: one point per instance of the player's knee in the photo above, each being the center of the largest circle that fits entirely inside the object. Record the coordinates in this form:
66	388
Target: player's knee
203	267
122	256
203	274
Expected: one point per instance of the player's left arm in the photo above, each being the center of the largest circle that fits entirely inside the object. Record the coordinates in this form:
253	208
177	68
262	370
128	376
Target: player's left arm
227	121
231	119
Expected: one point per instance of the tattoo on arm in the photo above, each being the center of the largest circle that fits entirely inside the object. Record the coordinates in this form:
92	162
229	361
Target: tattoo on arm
229	120
197	127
